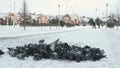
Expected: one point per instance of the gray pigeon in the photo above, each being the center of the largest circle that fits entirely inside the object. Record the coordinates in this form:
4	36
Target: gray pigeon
53	44
1	52
21	56
12	52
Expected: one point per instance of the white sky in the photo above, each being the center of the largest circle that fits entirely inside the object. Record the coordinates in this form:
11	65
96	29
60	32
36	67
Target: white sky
50	7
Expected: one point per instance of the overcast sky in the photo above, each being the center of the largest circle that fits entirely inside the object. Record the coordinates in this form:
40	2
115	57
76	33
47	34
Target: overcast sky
50	7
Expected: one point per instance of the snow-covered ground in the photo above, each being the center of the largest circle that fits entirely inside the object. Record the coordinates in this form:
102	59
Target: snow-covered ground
107	39
11	31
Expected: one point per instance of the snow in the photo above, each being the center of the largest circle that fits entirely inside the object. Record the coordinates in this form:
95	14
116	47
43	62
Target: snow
11	31
107	39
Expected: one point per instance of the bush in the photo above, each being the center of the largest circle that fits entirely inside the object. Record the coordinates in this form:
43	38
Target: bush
69	25
84	24
62	24
110	25
77	24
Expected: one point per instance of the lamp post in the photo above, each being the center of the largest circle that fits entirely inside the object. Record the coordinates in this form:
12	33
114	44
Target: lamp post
118	15
10	8
96	12
102	14
106	13
14	13
59	15
106	10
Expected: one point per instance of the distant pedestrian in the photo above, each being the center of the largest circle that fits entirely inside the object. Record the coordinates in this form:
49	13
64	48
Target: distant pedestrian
98	24
94	25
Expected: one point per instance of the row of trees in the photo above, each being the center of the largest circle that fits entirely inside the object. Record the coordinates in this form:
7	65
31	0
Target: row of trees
97	21
111	21
55	22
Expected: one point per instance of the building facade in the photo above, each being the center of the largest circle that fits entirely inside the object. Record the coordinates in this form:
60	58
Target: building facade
43	19
66	19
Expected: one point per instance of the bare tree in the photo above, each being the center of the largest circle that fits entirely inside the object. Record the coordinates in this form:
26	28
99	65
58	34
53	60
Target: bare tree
24	14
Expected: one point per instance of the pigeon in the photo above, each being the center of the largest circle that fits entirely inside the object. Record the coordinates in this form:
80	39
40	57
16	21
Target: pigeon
41	41
12	52
37	56
55	56
21	56
53	44
1	52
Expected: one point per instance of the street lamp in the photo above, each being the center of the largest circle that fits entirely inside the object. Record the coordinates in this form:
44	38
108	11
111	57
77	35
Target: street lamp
10	8
14	6
14	13
59	14
118	14
106	13
96	12
102	14
106	10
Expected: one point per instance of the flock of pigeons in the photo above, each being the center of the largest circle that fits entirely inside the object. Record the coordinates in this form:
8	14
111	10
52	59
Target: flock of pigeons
57	50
